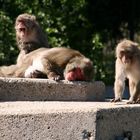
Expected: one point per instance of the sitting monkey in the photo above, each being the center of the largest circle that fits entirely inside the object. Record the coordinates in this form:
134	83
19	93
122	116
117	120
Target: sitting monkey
29	37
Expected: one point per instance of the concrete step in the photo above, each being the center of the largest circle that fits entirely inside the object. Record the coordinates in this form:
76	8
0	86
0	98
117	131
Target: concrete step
69	121
18	89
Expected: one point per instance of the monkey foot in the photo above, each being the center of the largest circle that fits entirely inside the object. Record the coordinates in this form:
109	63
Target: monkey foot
115	100
131	102
138	101
33	73
38	74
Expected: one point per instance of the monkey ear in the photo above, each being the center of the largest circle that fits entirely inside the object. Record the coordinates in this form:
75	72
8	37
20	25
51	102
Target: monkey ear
33	17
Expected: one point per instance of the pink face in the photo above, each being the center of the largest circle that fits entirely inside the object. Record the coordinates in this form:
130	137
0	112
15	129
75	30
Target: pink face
125	60
126	57
75	75
21	29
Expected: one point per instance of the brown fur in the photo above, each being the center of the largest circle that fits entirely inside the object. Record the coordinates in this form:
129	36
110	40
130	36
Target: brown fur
127	66
29	37
56	63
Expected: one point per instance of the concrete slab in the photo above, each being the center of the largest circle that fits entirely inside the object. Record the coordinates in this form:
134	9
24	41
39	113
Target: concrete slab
68	121
18	89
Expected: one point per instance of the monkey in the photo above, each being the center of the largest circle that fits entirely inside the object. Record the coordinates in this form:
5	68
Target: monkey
57	64
79	69
127	66
29	37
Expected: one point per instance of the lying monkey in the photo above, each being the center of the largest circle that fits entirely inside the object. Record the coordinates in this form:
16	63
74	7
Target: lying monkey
56	64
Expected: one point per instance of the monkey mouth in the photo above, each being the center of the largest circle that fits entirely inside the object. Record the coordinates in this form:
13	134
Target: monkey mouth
127	62
21	27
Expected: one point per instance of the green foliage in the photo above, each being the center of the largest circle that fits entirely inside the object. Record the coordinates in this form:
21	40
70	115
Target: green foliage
90	26
7	40
97	50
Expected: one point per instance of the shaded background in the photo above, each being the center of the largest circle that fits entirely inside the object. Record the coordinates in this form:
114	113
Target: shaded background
93	27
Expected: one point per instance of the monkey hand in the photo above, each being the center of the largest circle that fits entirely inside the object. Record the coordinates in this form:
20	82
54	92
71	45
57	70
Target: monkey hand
56	78
53	76
116	100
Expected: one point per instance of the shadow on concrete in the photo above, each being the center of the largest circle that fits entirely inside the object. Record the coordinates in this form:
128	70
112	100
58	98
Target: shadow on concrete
109	92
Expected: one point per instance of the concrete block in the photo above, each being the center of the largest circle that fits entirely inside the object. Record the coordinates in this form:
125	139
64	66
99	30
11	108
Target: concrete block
69	121
18	89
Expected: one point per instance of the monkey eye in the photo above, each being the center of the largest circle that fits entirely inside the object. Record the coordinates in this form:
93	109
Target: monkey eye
73	69
21	29
21	20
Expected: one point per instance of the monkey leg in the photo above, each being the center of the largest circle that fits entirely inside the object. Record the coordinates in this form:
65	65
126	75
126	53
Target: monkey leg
42	68
32	72
118	89
134	92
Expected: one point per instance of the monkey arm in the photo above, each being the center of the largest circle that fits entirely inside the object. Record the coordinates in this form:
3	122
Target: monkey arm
119	83
43	68
52	71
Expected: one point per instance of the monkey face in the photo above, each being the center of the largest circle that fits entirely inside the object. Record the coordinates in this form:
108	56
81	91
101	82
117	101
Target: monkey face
127	66
25	27
75	74
81	69
126	51
126	57
21	30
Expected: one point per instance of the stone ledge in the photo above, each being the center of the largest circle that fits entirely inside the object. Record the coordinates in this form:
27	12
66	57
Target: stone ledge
68	120
22	89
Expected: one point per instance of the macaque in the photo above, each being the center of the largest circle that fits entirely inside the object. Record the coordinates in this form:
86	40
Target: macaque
35	60
57	64
127	66
29	37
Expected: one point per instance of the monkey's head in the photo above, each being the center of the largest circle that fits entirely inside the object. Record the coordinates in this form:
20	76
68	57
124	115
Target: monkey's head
79	69
126	51
26	28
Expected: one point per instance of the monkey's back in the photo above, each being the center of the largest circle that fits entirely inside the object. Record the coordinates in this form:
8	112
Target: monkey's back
61	56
